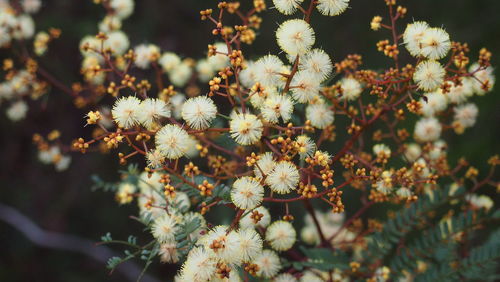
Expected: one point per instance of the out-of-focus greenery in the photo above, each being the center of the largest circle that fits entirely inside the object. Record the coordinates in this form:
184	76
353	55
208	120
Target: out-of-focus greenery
64	202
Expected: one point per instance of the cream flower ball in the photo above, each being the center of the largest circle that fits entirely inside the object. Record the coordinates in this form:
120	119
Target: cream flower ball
267	71
169	61
123	8
172	141
412	152
180	75
305	146
412	37
287	7
466	114
351	88
264	165
229	251
482	77
436	102
145	54
295	37
200	265
429	75
435	43
126	110
284	177
246	129
305	86
31	6
151	111
277	106
317	62
250	244
247	193
164	228
118	42
281	235
427	129
332	7
460	93
199	112
320	115
269	264
17	111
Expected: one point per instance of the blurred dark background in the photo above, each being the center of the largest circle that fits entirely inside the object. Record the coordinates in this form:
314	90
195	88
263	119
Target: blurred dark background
64	202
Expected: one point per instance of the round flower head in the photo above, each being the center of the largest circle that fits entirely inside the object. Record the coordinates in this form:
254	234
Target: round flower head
287	7
483	80
412	152
384	185
412	37
466	115
480	201
248	76
176	103
382	149
168	253
267	71
17	111
269	264
199	112
320	115
427	129
31	6
285	277
172	141
180	75
281	235
117	42
435	43
429	75
164	228
247	193
246	129
25	27
204	70
125	192
310	276
126	110
145	54
317	62
123	8
309	235
436	102
459	93
351	88
199	266
225	246
332	7
305	146
169	61
264	165
247	221
305	86
151	111
277	106
250	244
284	177
219	61
295	37
110	23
